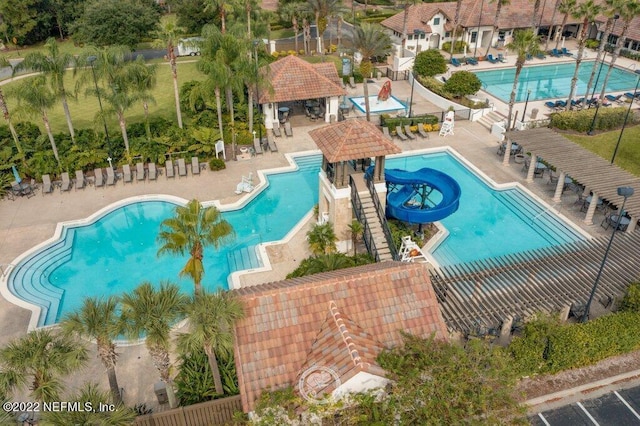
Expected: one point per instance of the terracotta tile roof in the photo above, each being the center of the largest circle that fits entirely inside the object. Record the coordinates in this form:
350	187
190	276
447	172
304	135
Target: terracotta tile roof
285	318
294	79
351	140
633	32
419	16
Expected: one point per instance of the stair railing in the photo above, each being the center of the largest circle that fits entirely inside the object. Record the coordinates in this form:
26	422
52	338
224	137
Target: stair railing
367	236
383	218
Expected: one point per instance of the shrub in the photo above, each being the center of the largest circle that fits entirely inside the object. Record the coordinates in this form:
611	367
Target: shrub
216	164
458	48
631	300
580	121
592	43
392	122
463	83
429	63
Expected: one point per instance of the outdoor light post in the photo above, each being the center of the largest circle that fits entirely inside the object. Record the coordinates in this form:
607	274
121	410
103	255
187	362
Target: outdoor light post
413	82
255	51
626	117
91	60
526	102
417	34
626	192
109	159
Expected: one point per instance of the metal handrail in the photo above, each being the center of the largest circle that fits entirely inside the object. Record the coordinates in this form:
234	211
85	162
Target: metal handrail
367	236
383	218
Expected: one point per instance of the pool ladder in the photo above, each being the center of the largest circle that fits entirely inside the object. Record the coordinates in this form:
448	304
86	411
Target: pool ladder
5	268
547	210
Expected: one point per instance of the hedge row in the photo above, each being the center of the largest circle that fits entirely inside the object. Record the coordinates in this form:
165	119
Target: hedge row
608	118
392	122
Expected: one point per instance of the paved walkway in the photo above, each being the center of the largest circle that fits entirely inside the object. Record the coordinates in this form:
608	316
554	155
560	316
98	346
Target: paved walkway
25	223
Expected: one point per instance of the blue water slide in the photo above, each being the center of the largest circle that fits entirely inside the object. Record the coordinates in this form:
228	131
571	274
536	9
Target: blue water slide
407	186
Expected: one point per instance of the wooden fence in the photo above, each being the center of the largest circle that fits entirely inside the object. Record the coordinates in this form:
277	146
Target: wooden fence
216	412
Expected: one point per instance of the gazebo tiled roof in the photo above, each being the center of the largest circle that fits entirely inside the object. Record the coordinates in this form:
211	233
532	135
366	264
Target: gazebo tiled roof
294	79
352	140
283	320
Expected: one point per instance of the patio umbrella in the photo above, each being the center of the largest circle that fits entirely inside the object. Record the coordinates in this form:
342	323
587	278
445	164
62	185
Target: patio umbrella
15	174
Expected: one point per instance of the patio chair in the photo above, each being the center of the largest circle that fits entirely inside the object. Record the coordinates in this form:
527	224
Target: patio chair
422	132
257	146
287	129
551	105
66	182
47	186
169	171
385	131
408	132
153	172
455	62
612	220
561	104
140	173
352	82
401	134
541	55
471	61
195	166
272	144
501	58
565	52
182	167
98	178
612	98
80	180
631	96
555	53
491	59
276	132
126	174
111	177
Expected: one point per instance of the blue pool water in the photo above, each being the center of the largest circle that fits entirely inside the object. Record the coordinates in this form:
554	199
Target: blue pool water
552	81
118	251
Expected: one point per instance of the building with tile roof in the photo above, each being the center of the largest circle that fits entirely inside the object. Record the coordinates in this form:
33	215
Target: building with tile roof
338	320
292	79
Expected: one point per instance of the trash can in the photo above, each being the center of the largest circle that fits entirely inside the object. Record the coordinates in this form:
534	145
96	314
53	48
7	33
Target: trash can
160	389
534	113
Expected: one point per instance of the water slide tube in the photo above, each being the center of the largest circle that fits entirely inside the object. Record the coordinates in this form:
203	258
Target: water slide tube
397	200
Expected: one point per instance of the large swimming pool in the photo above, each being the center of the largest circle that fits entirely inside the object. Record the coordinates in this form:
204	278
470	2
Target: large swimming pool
552	81
117	251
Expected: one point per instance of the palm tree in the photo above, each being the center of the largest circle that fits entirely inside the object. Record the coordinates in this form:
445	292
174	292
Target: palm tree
150	313
628	11
91	395
566	7
588	12
168	36
356	229
222	8
40	357
98	320
371	41
524	43
534	18
5	112
212	317
191	230
322	239
456	24
322	10
119	100
292	12
499	4
35	98
143	80
54	66
553	21
328	262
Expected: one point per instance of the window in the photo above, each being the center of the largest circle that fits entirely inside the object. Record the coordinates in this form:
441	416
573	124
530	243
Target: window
447	34
410	37
436	21
474	36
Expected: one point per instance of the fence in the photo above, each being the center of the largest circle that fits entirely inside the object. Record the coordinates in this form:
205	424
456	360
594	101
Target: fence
216	412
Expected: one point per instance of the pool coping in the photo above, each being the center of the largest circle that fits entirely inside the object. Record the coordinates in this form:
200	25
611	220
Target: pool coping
243	201
382	111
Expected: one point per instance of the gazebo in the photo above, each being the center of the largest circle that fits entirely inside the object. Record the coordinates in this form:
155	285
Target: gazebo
292	79
347	150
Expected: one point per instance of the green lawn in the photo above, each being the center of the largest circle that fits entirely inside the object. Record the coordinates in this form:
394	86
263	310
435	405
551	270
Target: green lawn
628	156
84	109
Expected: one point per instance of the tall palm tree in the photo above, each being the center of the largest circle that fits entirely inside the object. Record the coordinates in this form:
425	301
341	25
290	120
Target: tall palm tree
143	80
524	43
534	17
456	24
322	239
91	394
168	36
5	112
98	319
356	229
222	7
628	11
328	262
35	98
588	11
212	317
499	4
54	66
38	360
322	10
150	313
567	8
553	21
119	100
371	41
292	12
191	230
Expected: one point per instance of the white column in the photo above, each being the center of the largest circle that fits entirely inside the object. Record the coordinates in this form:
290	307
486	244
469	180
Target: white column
557	197
532	167
632	224
588	220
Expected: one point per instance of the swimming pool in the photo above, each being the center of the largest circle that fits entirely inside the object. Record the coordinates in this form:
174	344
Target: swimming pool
552	81
377	107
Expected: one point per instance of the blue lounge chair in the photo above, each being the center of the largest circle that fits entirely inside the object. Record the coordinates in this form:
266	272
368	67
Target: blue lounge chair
471	61
561	104
455	62
541	55
491	59
565	52
631	96
528	57
551	105
554	52
612	98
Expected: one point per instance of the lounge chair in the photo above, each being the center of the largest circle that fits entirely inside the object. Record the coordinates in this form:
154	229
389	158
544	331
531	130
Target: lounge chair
352	82
126	174
631	96
80	180
385	131
555	53
153	172
491	59
111	177
47	186
66	182
541	55
170	172
401	134
408	132
276	132
195	166
565	52
455	62
501	58
287	129
561	104
422	132
551	105
471	61
182	167
140	175
257	146
272	145
98	178
612	98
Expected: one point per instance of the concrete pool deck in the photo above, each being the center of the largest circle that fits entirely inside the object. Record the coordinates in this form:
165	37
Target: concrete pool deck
27	222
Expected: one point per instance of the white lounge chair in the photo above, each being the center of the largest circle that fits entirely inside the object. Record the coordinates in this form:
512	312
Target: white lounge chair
257	146
401	134
385	131
182	167
408	132
170	172
245	185
195	166
352	82
111	177
126	173
80	180
272	145
153	172
422	132
276	131
47	186
140	175
287	129
98	178
66	182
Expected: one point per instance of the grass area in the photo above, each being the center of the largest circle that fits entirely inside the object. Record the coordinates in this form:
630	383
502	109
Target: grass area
603	144
283	33
84	109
